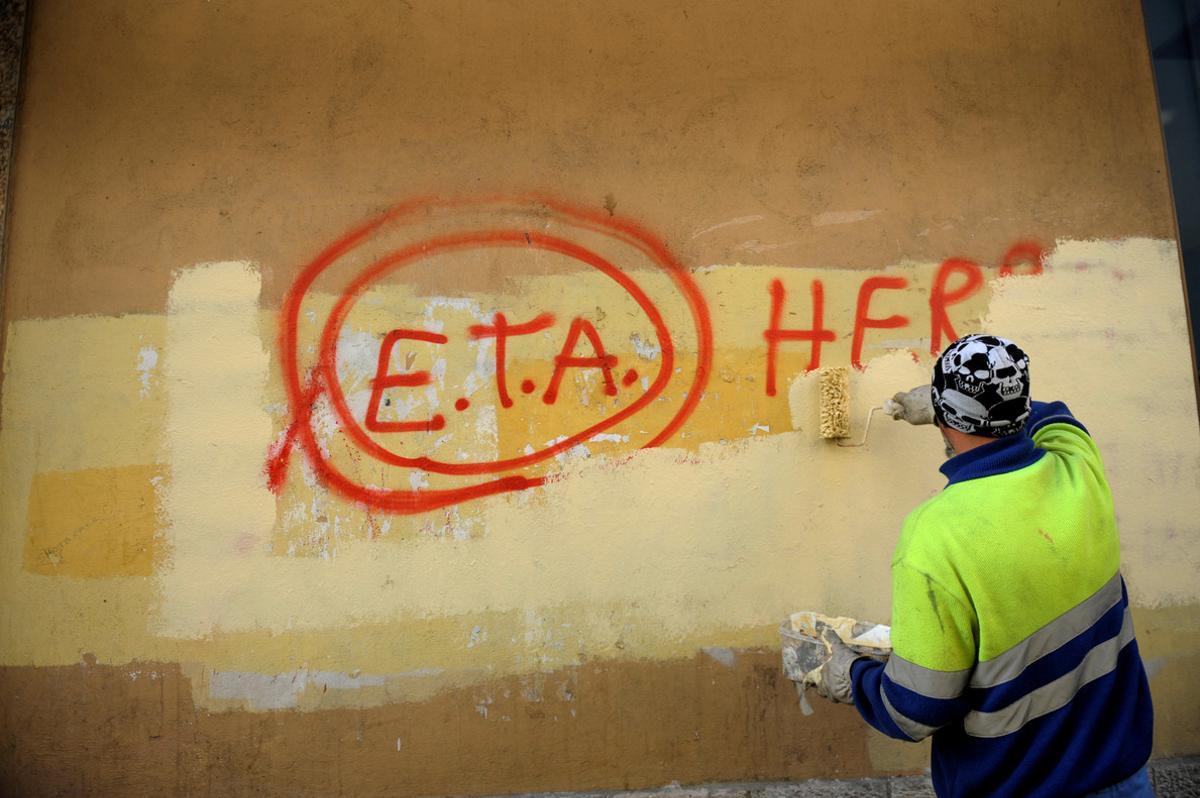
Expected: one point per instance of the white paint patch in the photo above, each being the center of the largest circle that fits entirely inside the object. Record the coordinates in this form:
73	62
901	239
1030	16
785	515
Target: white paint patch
486	425
438	372
757	428
357	356
725	656
458	527
325	422
758	246
730	223
454	303
419	673
336	680
532	687
147	362
842	217
576	452
610	437
646	350
258	691
484	371
433	324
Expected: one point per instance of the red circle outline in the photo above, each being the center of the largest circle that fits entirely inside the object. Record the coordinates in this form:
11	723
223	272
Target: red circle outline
327	354
301	397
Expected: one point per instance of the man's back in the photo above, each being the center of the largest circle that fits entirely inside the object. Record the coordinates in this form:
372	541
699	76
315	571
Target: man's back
1011	628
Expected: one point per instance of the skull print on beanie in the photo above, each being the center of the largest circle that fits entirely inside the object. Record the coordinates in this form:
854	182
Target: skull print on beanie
981	386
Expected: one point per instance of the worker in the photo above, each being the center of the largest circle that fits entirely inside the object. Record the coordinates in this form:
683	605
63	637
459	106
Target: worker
1012	641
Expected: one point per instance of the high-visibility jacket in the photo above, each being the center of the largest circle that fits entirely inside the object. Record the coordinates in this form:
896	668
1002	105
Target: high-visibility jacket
1012	638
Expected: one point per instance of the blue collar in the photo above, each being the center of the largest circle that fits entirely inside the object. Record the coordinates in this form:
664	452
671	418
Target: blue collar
998	457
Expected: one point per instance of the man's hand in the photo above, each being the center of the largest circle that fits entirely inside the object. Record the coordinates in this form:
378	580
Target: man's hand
915	406
835	683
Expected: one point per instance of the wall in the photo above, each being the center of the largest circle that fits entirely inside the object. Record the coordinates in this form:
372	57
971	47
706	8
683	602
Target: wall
414	398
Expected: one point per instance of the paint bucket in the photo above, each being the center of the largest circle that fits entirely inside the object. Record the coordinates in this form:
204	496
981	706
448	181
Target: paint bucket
804	650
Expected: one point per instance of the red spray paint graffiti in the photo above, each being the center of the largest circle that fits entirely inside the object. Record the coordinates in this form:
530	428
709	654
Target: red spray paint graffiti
774	335
501	330
383	380
1023	252
307	385
967	274
940	299
582	346
862	321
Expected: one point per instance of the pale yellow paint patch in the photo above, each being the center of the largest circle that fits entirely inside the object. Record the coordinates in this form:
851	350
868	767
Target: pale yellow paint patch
75	396
95	522
644	534
1107	331
734	405
653	531
746	517
217	507
79	394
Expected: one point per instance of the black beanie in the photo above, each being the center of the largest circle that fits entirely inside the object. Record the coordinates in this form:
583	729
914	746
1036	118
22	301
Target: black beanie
981	386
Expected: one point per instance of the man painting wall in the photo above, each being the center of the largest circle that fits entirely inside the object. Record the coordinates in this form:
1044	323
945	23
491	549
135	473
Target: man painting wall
1012	640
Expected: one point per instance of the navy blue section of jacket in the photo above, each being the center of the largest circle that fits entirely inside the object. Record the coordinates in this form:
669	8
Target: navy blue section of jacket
1098	739
1009	453
1101	736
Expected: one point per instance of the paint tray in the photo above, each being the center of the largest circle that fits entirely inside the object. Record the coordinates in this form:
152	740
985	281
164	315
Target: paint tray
804	651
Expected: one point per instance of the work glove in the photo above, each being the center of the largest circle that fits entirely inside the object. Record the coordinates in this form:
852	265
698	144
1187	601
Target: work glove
915	406
835	683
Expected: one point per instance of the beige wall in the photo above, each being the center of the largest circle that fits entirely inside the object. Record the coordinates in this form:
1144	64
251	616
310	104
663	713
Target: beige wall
198	598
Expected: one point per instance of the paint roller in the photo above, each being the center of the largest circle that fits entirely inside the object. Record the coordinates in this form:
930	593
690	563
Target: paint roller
835	407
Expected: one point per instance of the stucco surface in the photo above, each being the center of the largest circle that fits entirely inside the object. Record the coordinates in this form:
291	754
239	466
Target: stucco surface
239	230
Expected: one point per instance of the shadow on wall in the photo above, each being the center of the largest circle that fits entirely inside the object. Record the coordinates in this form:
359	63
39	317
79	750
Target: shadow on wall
1173	28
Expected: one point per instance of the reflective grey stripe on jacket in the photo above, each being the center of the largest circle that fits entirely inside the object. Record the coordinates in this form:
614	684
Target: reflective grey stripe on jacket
1050	637
915	730
1100	661
946	685
940	685
1010	664
927	682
